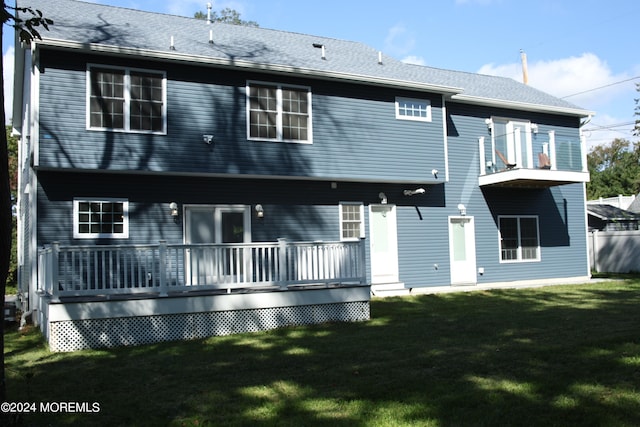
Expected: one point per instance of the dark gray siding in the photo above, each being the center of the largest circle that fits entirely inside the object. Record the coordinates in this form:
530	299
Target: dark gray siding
355	133
356	138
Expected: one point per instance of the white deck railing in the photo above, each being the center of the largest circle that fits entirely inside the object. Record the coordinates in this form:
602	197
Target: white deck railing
162	268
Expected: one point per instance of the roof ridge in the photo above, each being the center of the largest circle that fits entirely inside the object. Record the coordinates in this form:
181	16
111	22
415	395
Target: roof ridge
219	23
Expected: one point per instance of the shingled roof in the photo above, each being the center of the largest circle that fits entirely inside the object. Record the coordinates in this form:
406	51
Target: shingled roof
118	30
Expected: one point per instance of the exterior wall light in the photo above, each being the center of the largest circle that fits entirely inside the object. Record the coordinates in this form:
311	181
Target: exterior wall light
414	192
463	209
173	209
259	211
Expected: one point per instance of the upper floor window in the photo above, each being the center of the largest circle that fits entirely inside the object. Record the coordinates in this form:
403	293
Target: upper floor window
103	218
278	112
413	109
519	240
126	99
351	221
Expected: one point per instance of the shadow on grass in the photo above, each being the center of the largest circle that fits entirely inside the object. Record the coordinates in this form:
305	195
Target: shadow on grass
565	355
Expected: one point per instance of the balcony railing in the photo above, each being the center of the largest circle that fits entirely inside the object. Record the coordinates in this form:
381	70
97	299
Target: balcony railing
105	270
542	161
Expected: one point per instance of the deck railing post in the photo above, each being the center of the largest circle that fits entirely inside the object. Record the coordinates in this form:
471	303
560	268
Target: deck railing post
362	264
282	263
162	266
55	256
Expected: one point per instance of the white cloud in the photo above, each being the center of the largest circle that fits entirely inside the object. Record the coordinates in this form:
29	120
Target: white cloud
412	59
577	78
399	40
8	64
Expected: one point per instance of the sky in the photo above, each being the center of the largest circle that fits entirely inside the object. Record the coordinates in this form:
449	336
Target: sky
584	51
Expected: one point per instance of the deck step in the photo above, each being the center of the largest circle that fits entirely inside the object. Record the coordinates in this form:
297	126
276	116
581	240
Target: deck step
389	289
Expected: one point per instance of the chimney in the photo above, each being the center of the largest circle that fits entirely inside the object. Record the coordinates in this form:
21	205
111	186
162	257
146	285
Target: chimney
525	72
208	13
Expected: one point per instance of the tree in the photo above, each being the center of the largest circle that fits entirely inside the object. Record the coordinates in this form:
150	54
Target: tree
27	29
636	128
12	147
226	16
614	169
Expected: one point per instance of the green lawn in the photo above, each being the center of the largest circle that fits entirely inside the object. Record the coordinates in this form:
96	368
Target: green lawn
562	355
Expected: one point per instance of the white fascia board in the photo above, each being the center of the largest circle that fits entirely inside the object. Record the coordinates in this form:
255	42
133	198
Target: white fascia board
541	175
476	100
597	215
253	66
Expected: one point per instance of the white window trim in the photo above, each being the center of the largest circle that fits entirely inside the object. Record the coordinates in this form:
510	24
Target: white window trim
514	153
127	99
361	233
125	219
279	87
519	258
413	118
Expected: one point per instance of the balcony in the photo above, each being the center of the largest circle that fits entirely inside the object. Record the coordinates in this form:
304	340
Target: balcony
540	161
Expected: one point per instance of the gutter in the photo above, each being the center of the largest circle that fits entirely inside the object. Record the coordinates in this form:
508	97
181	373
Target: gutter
248	65
470	99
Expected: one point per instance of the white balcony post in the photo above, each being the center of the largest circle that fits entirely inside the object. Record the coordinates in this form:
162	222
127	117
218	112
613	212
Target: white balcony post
282	263
552	150
583	153
483	162
162	267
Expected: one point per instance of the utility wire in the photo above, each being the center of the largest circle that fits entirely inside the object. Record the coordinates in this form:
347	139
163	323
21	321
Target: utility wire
601	87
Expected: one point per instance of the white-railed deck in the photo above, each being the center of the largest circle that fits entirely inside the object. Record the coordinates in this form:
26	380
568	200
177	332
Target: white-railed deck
102	296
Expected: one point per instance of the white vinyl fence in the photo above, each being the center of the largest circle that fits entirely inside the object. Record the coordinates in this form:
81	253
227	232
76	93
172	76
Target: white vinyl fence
614	251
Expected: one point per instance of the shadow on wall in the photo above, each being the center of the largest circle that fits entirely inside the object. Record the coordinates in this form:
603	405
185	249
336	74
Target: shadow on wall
547	204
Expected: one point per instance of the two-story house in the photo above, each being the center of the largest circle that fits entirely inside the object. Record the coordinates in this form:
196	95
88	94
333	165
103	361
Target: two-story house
181	178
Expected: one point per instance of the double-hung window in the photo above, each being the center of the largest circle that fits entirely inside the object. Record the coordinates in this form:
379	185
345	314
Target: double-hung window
278	112
100	218
519	238
413	109
126	99
351	221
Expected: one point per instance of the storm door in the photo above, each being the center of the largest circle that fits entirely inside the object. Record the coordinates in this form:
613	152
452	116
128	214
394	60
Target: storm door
462	250
207	229
384	244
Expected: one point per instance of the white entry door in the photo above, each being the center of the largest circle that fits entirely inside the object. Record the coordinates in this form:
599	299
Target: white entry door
215	224
384	244
462	250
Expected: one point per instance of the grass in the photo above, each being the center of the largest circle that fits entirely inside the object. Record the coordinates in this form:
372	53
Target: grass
562	355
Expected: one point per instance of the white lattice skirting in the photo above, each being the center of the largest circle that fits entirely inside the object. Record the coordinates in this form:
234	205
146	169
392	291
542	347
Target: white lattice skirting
71	335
